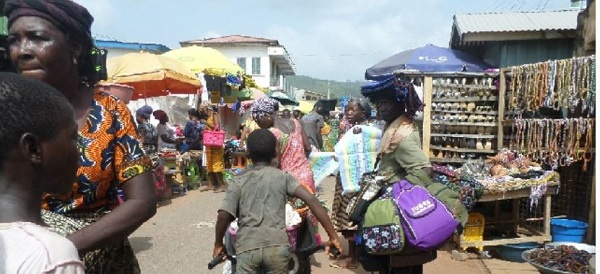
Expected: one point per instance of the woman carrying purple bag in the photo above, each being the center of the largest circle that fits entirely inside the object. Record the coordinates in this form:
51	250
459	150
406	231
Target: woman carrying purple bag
401	154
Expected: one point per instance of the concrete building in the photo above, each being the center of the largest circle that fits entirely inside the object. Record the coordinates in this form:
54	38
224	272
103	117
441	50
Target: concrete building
267	61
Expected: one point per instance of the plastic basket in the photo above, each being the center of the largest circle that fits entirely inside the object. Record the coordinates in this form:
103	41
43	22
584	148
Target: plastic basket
213	138
473	232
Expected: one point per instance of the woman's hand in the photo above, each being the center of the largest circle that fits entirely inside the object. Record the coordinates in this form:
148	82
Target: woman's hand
218	250
335	242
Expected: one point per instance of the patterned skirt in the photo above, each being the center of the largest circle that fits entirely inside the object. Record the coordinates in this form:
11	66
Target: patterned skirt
116	258
215	159
339	216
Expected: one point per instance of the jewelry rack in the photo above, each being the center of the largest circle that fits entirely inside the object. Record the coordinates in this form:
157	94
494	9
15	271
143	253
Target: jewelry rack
564	88
461	117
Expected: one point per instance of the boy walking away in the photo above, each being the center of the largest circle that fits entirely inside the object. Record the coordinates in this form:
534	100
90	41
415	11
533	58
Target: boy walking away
38	154
257	197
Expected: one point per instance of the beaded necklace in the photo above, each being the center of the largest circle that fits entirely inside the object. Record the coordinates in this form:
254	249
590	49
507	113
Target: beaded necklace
592	86
589	139
572	98
549	102
559	84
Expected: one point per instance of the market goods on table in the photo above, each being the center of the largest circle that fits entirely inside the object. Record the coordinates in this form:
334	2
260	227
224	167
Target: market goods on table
559	259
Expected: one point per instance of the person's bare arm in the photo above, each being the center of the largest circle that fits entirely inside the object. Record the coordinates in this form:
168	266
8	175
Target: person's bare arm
305	141
320	139
321	215
123	220
245	133
166	139
223	221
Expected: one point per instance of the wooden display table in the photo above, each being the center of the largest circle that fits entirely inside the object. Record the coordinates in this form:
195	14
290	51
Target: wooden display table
239	160
525	232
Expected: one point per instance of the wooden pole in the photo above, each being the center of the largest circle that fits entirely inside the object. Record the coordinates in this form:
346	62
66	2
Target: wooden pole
501	106
427	90
591	230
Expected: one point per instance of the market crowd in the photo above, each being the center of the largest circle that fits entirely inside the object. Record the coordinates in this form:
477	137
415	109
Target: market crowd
89	158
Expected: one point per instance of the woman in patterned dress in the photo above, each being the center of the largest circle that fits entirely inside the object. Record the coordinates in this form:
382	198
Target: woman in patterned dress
294	146
51	41
357	113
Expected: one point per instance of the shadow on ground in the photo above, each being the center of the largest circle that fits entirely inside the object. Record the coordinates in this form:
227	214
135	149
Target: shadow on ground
140	244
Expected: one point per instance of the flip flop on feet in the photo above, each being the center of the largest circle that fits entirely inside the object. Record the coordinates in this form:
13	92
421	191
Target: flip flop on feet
206	188
339	258
346	264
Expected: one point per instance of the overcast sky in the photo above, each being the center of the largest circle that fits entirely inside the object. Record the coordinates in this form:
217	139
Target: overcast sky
327	39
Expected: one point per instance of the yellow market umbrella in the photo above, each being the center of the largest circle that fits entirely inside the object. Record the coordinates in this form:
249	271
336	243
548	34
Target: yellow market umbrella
207	60
151	75
305	106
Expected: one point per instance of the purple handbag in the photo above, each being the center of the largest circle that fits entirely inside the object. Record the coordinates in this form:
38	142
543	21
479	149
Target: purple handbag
426	221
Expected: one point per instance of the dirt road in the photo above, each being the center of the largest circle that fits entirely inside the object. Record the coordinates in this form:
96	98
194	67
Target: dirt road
180	237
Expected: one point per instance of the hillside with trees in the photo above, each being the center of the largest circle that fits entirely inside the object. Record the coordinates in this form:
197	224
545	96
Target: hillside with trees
337	89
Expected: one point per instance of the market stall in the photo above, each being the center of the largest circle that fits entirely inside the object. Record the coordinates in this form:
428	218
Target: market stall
152	76
513	133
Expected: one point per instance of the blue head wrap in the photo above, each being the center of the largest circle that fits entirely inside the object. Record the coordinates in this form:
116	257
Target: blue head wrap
144	111
389	87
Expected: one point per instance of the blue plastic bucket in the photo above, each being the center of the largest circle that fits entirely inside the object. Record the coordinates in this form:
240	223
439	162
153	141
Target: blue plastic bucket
565	230
513	252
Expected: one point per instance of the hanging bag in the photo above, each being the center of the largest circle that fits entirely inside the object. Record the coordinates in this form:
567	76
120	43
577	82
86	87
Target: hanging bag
370	189
213	138
427	222
381	232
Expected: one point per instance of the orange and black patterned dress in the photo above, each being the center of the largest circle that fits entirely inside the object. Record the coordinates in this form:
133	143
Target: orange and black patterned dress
110	154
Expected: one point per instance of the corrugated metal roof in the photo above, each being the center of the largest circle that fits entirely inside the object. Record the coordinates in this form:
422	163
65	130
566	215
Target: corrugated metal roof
232	39
516	21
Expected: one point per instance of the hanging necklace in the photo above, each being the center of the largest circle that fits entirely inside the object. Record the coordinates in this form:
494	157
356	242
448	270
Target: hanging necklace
592	86
551	83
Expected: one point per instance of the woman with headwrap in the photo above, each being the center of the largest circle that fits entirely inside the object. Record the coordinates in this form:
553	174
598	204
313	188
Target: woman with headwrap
401	157
214	156
356	113
147	130
51	41
166	135
293	143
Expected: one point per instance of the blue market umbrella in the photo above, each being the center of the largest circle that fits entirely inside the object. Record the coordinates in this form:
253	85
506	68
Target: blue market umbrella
429	58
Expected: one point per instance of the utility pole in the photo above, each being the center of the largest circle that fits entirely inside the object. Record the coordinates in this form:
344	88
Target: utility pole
328	91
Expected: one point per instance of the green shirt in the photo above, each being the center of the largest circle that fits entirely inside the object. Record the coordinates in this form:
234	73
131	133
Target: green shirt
257	198
407	156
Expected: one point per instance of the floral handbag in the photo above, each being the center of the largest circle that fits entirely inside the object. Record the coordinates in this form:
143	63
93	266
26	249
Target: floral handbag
381	232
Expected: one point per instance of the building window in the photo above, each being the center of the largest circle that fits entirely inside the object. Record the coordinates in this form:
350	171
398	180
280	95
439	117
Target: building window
242	62
256	65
